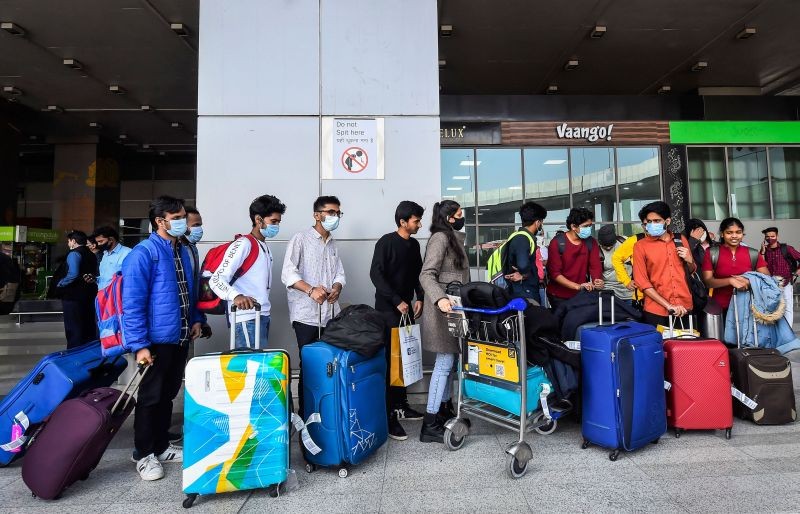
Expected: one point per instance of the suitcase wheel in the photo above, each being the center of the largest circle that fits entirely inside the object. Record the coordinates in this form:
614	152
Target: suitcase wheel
677	433
274	491
613	456
343	472
544	428
189	501
585	444
728	433
517	468
656	441
310	468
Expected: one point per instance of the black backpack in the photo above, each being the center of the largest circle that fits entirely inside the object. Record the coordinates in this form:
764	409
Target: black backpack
788	258
359	328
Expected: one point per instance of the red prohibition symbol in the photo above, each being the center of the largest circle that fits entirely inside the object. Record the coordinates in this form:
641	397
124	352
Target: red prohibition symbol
355	160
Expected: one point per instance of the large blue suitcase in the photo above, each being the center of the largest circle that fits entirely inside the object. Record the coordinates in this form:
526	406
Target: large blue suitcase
57	377
348	391
624	406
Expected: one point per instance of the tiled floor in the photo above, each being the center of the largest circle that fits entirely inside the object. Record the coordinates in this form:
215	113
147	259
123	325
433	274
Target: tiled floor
758	470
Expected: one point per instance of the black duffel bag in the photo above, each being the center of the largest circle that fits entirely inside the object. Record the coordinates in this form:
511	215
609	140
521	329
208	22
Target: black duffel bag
359	328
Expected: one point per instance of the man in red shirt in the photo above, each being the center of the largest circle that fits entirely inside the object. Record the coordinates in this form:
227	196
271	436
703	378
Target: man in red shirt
574	259
659	269
781	260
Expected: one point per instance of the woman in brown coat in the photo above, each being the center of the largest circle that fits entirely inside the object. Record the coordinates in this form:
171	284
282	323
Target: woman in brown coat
445	262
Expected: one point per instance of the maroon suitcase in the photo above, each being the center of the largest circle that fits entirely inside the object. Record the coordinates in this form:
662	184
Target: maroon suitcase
72	441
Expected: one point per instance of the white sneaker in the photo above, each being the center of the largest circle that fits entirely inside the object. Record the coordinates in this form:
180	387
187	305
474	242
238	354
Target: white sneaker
149	468
172	454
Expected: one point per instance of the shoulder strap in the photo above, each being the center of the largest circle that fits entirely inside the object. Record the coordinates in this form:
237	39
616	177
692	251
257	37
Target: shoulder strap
255	250
620	239
589	244
714	251
788	258
753	258
527	234
561	240
640	236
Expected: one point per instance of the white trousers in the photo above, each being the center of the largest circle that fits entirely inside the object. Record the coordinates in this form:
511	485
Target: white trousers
788	296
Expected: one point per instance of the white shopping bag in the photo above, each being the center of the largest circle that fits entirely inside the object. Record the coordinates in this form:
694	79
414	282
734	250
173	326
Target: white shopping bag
410	353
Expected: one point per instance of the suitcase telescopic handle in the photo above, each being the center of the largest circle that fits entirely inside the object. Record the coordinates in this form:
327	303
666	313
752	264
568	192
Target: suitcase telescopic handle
234	310
141	369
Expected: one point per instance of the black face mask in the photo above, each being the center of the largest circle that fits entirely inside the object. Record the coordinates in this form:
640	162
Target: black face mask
458	224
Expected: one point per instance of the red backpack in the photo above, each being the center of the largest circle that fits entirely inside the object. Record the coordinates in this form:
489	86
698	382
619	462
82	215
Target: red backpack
108	306
207	300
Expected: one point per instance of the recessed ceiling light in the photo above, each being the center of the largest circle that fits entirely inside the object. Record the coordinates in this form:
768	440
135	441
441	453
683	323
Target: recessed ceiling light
446	30
33	138
11	90
626	188
179	28
598	32
54	108
700	66
469	163
571	64
162	153
552	89
442	64
176	125
95	125
448	196
455	188
12	28
146	146
75	64
123	136
746	33
515	188
640	183
554	162
663	90
461	177
117	90
146	108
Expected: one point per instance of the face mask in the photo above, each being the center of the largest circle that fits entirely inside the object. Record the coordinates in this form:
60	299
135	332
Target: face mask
195	235
704	237
585	232
655	229
771	241
458	224
271	231
330	223
177	228
103	247
539	240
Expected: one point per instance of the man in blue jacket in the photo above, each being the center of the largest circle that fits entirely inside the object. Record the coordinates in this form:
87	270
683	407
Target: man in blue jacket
161	319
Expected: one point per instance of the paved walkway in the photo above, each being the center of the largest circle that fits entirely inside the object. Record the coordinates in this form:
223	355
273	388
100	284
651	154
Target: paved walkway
758	470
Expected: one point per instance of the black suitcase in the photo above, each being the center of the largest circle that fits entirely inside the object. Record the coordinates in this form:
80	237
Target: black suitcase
765	376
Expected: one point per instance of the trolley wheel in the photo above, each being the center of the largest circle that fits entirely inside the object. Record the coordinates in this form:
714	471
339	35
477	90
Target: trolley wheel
516	468
613	456
677	433
451	441
585	444
343	472
728	433
310	468
548	428
467	422
189	501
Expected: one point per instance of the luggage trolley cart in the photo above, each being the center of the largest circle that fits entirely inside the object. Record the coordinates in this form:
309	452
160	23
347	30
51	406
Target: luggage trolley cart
502	372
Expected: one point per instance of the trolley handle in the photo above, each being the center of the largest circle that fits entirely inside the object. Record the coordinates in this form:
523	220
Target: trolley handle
517	304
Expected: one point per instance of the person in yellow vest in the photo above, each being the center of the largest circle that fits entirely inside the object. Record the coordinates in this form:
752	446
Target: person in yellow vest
523	273
621	259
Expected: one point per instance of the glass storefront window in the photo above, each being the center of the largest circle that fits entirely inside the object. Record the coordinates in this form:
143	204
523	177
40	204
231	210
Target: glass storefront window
489	238
458	179
499	185
593	181
749	182
547	180
638	173
708	186
785	171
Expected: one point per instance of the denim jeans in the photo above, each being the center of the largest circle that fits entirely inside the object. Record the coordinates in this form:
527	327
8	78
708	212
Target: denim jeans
247	340
439	390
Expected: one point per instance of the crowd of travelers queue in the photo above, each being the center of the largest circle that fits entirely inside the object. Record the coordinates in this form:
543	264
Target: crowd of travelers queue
162	279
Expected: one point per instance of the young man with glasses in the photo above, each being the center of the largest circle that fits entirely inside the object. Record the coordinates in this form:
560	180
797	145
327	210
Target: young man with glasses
658	267
314	275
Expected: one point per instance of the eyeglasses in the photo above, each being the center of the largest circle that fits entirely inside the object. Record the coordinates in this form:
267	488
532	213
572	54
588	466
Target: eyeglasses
331	212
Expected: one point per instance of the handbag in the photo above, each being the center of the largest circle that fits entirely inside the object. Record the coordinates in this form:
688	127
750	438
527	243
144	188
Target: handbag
405	363
697	287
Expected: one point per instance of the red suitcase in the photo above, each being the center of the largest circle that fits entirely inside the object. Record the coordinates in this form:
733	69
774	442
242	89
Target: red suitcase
700	394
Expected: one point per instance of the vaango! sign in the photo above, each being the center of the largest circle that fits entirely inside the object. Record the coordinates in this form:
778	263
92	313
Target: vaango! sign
591	134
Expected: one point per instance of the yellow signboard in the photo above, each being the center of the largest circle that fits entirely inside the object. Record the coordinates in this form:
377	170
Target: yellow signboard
493	361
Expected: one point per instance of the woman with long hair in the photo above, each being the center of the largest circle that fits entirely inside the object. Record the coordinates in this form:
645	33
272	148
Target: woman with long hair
724	265
699	239
445	262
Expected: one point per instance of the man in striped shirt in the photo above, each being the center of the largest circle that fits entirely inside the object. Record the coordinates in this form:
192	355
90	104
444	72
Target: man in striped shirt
782	262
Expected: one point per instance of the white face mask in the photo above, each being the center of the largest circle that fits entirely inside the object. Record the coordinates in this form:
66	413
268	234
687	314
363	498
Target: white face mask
704	237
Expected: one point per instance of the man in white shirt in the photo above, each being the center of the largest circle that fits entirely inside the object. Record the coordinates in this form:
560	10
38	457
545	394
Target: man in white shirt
114	253
313	274
242	280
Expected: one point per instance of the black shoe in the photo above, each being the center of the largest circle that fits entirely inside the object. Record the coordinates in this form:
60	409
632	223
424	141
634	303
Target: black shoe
432	429
396	430
174	437
448	412
404	411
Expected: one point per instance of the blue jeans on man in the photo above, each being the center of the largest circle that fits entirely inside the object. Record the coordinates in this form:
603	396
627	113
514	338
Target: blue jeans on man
246	338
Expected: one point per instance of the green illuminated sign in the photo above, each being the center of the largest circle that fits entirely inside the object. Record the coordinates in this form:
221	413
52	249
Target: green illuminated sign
42	235
734	132
6	233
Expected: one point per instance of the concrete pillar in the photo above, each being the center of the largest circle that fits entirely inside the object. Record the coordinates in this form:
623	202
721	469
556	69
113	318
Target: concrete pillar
85	187
9	170
270	72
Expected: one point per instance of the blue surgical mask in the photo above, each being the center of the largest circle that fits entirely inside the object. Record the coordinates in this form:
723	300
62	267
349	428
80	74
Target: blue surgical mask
330	223
195	235
177	228
270	231
655	229
585	232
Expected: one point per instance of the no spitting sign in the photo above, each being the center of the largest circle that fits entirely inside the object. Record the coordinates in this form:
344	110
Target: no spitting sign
352	148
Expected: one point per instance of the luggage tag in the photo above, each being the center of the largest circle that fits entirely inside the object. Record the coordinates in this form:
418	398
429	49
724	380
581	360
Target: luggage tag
667	385
302	427
473	358
18	438
543	400
749	402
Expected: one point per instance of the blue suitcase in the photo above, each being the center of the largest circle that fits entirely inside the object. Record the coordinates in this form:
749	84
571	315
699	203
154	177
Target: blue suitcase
624	406
57	377
348	391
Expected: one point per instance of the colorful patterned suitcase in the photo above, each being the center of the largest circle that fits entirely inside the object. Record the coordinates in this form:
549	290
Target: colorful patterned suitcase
236	422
